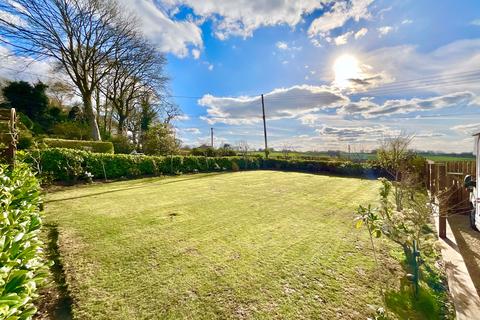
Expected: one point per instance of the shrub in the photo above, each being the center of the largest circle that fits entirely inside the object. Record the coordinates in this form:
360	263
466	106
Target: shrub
235	167
208	151
24	142
72	130
160	140
23	263
70	165
93	146
122	144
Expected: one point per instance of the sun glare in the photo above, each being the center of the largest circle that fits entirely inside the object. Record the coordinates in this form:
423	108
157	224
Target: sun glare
346	67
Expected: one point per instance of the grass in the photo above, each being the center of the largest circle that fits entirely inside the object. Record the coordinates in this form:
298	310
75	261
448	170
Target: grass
240	245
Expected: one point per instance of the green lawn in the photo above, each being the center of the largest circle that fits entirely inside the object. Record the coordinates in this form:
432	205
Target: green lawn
239	245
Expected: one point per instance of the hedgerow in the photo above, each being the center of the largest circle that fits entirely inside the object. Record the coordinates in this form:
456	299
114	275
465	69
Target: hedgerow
71	165
23	264
93	146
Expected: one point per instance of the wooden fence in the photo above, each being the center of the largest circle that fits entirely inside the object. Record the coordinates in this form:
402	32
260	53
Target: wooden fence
444	181
8	135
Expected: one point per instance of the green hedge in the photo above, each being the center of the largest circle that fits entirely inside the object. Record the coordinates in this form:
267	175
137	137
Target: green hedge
23	265
93	146
71	165
344	168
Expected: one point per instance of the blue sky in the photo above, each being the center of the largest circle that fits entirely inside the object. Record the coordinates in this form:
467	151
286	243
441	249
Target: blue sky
334	73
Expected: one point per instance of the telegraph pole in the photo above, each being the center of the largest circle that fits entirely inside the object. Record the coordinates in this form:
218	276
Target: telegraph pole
264	128
211	137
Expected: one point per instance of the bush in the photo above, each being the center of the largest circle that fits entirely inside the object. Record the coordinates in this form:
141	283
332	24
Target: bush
71	165
24	142
23	263
72	130
122	144
207	151
343	168
93	146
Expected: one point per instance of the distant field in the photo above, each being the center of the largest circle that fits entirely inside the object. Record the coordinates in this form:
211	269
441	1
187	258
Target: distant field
365	156
449	158
218	246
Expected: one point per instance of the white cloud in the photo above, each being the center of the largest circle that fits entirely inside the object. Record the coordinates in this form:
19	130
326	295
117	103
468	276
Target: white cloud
383	31
169	35
358	134
475	22
280	103
27	69
341	12
183	117
342	39
210	67
282	45
467	129
196	53
192	130
407	21
369	109
242	17
361	33
405	63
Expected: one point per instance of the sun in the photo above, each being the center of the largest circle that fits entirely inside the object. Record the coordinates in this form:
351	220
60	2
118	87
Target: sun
346	67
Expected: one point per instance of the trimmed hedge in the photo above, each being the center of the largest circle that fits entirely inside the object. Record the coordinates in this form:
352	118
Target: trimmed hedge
93	146
23	263
70	165
337	167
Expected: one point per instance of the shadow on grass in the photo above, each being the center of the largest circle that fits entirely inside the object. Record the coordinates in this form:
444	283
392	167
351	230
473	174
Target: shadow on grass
143	185
405	306
59	303
431	302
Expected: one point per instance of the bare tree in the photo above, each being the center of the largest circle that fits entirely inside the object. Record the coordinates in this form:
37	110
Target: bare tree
133	76
81	35
243	147
394	156
60	92
286	149
169	112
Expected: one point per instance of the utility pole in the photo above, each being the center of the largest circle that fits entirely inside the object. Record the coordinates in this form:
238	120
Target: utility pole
264	128
211	136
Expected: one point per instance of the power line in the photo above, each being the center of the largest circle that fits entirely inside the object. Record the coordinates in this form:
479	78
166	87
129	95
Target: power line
473	79
452	79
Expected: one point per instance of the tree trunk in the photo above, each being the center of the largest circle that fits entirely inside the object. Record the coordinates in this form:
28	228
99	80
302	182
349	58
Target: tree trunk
105	116
92	120
121	124
97	105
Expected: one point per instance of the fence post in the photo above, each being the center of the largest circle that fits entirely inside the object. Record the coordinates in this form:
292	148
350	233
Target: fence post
437	178
442	201
10	137
12	148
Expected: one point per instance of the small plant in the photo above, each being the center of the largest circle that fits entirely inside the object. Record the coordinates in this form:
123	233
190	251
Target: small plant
369	217
88	177
24	268
406	226
380	314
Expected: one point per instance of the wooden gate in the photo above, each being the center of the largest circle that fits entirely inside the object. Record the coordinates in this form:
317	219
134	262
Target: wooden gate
444	181
8	135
